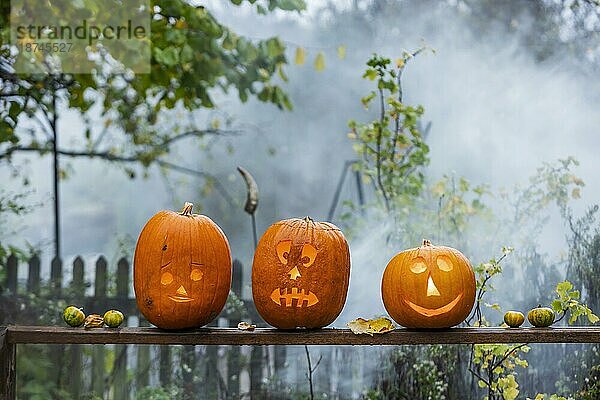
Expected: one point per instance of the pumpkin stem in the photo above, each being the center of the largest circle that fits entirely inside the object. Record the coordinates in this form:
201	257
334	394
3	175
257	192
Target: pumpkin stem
307	219
426	242
187	209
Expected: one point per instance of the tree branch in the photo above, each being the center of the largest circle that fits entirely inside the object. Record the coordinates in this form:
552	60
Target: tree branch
506	355
397	119
378	159
199	133
125	159
471	370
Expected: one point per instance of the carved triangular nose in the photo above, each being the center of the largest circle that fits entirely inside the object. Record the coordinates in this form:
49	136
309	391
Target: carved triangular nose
294	273
181	291
431	289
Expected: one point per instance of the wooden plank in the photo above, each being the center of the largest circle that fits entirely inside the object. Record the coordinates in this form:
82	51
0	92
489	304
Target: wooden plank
78	291
8	362
234	359
188	371
234	363
78	284
100	278
270	336
142	377
122	278
256	372
120	382
12	266
98	372
164	369
237	279
56	276
208	370
99	304
56	354
33	279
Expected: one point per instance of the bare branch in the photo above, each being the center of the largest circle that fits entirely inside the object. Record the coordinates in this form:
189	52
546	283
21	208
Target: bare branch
125	159
506	355
199	133
471	370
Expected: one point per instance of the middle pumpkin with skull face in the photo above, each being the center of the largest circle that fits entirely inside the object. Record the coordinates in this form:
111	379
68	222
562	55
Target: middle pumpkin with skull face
300	274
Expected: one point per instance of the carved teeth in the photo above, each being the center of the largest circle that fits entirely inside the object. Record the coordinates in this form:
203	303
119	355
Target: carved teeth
304	298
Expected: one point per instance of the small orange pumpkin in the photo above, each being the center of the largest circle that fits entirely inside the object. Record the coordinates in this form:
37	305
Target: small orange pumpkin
181	269
428	287
300	274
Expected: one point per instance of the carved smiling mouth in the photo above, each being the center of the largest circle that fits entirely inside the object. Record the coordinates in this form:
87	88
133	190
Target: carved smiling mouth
304	298
180	299
432	312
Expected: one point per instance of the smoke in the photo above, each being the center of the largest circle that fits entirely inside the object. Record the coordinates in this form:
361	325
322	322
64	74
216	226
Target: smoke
497	113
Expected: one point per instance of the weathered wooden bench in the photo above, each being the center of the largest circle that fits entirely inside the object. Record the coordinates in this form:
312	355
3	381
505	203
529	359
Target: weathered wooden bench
12	335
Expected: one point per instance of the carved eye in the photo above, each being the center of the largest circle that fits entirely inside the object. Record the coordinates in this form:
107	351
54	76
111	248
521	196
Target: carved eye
283	251
196	274
166	278
309	253
418	265
444	263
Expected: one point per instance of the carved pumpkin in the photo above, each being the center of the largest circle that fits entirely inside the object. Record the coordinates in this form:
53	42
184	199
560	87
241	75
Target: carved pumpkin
428	287
300	274
181	270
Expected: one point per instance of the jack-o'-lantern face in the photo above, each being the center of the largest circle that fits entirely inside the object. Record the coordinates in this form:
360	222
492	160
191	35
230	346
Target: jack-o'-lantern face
300	274
429	287
181	276
182	270
301	259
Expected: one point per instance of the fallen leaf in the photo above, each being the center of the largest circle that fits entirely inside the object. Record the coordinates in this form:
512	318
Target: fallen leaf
93	321
300	56
381	325
320	62
359	326
244	326
363	326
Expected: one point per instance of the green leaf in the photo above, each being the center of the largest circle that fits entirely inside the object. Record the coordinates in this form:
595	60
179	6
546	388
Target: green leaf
274	47
168	56
557	306
288	5
510	393
300	56
281	73
320	62
564	287
187	54
261	10
370	74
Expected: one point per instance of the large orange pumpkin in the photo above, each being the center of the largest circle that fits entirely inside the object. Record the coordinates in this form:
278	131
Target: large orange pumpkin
428	287
300	274
181	269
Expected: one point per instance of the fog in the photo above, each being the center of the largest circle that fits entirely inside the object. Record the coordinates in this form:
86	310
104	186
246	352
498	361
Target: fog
497	114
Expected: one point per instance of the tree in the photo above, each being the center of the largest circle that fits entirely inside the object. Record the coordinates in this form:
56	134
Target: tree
192	55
